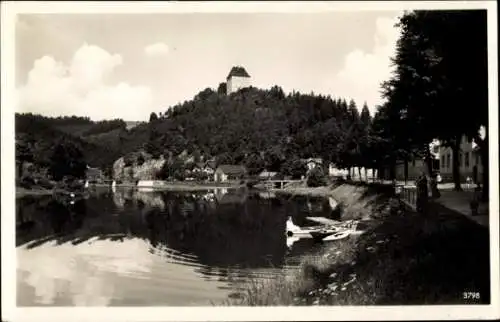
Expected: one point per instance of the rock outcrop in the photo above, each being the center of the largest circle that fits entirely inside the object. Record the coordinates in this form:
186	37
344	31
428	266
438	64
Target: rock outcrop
137	166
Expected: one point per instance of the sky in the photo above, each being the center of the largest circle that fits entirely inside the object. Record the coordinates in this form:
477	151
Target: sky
126	66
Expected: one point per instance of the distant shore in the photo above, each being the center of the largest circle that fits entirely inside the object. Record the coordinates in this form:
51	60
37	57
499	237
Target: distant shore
185	186
323	191
22	192
166	186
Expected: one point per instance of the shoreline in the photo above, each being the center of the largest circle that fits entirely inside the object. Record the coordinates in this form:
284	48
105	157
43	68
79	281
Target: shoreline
389	264
23	192
170	186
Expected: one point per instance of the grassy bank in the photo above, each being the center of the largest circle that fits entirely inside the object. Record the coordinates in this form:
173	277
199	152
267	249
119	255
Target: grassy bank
22	192
403	258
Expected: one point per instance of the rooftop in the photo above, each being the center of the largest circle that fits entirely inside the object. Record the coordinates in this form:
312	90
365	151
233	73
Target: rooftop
232	169
237	71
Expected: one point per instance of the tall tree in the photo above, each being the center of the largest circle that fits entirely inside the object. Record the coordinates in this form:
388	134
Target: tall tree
153	117
67	160
431	83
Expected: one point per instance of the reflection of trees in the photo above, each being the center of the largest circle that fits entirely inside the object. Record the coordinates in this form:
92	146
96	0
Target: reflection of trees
248	234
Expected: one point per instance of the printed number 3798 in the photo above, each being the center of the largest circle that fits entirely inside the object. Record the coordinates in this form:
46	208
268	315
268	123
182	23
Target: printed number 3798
471	295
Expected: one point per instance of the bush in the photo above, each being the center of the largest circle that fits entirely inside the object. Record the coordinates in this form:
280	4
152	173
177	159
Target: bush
140	160
45	183
316	178
252	183
27	182
128	160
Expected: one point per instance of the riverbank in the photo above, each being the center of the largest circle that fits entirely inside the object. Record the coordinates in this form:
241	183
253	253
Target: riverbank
194	186
23	192
167	186
402	258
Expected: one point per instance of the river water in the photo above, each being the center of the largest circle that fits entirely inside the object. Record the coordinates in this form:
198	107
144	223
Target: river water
141	248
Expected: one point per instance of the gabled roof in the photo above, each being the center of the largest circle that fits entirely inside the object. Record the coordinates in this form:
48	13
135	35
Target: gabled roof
315	160
237	71
93	172
211	164
267	174
232	169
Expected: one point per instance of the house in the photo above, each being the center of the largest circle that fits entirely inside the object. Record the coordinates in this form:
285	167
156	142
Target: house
207	168
312	163
93	175
333	171
237	79
227	172
469	161
267	175
414	166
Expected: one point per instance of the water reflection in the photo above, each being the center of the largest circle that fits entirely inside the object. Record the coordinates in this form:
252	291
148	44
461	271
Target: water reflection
133	247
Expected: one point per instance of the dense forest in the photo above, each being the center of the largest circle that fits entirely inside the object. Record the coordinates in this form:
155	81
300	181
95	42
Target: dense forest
255	127
266	128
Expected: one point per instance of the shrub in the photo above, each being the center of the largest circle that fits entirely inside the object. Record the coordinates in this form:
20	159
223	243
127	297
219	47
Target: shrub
45	183
140	160
316	178
27	182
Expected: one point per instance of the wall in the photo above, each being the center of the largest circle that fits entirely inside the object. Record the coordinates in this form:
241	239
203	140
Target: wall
235	83
220	176
466	170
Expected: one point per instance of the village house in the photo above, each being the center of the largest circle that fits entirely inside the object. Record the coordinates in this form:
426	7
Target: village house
469	161
312	163
227	172
267	175
413	168
94	175
237	79
207	168
333	171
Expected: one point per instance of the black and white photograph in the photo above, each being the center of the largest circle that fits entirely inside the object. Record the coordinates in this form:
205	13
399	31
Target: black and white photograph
189	156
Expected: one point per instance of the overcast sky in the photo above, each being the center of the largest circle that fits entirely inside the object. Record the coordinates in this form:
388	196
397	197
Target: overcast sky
126	66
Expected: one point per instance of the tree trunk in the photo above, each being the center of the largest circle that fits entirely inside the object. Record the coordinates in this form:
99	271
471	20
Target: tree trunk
406	171
359	173
484	152
366	174
486	173
20	168
392	173
428	159
455	149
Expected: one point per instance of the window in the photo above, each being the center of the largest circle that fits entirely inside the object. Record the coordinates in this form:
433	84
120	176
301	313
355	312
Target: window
460	159
448	160
413	163
466	161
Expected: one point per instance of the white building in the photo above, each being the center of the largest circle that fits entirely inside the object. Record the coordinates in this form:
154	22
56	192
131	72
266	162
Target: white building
237	79
469	161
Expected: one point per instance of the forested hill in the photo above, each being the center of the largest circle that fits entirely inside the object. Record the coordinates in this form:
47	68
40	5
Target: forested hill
37	136
258	128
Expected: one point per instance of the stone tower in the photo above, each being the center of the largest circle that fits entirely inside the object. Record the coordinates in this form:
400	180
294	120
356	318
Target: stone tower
237	79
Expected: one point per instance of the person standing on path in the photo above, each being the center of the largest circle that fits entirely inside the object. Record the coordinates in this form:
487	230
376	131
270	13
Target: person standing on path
422	193
476	197
434	189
